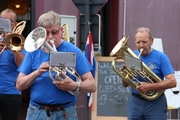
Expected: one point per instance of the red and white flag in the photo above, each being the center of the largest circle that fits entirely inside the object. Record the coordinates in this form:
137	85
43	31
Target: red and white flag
89	53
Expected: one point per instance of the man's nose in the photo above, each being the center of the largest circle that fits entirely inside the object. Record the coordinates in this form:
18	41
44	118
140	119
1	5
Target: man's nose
50	35
141	44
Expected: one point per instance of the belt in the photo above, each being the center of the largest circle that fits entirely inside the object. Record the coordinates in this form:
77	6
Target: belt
50	108
54	108
140	97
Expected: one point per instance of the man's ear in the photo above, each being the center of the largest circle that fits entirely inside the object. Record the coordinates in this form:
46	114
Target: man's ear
61	29
152	39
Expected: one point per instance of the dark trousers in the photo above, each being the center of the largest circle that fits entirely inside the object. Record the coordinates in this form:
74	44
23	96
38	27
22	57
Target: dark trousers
141	109
10	106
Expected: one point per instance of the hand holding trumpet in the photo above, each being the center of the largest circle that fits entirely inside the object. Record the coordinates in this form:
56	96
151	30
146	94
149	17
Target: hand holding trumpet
2	46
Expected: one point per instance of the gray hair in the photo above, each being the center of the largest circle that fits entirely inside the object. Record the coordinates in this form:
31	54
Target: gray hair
7	11
48	19
142	29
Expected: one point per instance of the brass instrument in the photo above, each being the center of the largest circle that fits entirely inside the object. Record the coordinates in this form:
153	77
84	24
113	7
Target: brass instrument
35	40
130	75
65	32
15	41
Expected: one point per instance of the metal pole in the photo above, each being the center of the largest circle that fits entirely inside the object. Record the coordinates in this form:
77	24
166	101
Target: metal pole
124	21
32	14
178	113
87	28
170	114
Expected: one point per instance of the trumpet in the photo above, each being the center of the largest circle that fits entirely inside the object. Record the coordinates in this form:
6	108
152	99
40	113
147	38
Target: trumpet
15	41
35	40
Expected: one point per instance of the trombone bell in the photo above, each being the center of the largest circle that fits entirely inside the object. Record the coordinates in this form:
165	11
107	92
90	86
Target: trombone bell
15	42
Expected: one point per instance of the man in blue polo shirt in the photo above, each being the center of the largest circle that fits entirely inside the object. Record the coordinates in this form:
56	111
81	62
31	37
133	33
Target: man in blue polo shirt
51	99
140	108
10	97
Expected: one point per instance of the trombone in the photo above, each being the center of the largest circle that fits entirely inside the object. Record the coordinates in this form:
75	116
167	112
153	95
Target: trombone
15	41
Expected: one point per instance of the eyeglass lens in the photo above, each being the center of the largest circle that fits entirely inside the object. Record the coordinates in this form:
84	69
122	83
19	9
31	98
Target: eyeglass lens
53	32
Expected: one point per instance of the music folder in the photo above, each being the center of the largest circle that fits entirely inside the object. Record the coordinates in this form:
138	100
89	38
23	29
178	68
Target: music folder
133	63
5	25
67	59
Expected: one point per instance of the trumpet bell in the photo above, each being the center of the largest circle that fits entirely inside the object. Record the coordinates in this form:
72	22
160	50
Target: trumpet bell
35	39
15	42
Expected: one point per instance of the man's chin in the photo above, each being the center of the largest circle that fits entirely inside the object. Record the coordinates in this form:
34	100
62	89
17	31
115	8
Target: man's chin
144	54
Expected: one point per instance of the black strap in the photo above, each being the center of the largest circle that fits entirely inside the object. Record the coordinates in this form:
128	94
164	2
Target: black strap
48	112
141	97
138	96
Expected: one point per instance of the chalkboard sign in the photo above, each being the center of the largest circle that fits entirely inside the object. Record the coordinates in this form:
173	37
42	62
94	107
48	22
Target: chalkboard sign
110	99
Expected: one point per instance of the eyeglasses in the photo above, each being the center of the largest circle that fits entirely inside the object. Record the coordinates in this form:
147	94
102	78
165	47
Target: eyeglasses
53	32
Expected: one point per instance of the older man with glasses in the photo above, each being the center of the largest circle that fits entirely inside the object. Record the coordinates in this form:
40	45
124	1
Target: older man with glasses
51	100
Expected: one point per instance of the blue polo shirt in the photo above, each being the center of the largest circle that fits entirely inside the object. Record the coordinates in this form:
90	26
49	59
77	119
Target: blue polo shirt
8	73
158	62
43	91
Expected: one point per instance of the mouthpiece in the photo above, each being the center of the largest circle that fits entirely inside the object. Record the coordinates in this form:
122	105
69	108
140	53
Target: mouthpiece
52	42
140	52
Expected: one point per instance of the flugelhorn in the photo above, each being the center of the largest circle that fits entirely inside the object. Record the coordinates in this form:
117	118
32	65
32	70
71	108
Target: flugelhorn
131	75
15	41
35	40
